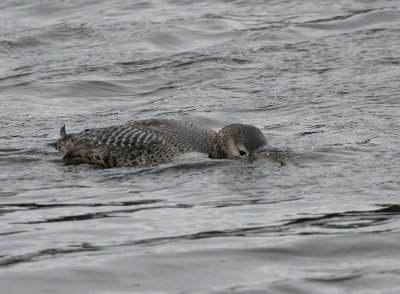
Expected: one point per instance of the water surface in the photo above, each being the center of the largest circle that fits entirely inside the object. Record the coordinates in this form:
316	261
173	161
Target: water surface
321	80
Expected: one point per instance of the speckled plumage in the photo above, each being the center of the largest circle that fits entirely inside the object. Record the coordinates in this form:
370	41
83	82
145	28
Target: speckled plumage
145	142
155	141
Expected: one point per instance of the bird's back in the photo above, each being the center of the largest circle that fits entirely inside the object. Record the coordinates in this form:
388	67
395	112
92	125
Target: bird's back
144	142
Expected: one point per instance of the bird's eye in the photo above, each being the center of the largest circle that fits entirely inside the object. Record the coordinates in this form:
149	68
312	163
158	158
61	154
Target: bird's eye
241	152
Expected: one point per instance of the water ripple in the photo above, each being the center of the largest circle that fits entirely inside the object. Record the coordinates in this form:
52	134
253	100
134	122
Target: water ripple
320	81
356	21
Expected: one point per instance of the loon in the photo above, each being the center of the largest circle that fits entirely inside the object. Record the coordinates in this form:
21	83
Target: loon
155	141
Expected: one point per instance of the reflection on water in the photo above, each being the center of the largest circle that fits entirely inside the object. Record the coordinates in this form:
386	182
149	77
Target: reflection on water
318	214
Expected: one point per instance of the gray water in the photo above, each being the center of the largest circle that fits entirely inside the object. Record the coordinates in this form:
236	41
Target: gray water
321	79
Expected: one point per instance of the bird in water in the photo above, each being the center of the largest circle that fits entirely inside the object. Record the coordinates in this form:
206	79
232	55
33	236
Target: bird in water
155	141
